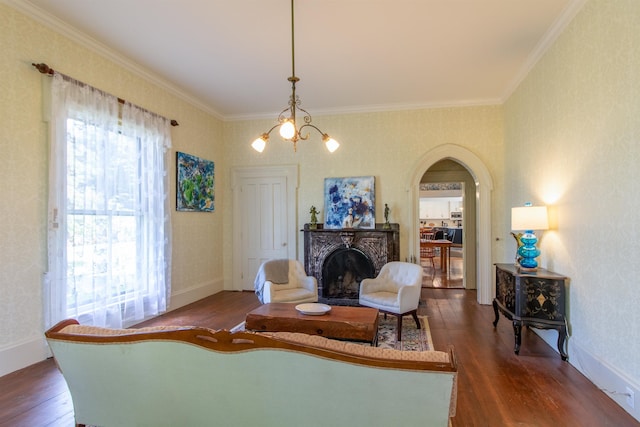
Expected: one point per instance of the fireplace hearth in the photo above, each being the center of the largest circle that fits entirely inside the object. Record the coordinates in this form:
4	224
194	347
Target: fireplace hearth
340	259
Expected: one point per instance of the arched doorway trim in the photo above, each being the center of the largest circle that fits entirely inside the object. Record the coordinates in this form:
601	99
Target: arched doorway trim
484	186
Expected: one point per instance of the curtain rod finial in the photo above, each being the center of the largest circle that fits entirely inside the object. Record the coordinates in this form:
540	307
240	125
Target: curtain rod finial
43	68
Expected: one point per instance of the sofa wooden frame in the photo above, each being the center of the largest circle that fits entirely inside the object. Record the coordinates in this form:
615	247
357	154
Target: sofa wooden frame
194	375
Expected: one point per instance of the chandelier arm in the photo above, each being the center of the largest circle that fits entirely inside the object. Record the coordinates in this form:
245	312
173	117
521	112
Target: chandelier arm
281	117
312	126
307	117
272	128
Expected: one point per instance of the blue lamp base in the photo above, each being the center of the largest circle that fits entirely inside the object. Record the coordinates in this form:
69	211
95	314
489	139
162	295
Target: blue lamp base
528	251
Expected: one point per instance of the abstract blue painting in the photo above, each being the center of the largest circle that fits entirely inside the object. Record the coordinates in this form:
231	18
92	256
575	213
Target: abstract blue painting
195	186
349	202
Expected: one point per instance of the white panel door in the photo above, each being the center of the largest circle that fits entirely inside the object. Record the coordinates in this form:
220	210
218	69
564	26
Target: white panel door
264	223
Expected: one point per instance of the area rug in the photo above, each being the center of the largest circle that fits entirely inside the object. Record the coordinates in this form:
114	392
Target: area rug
413	339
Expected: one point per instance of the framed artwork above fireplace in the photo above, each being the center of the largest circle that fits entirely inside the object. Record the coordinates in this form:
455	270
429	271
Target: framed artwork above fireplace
349	202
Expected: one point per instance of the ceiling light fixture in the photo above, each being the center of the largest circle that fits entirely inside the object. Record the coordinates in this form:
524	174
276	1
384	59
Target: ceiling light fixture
288	125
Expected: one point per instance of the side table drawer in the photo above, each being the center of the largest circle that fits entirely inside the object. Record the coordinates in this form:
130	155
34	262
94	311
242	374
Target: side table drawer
544	299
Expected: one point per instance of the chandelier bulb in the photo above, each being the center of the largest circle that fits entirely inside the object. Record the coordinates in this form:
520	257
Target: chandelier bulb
287	129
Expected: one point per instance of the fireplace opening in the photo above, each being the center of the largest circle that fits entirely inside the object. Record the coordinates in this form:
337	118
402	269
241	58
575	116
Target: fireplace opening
342	272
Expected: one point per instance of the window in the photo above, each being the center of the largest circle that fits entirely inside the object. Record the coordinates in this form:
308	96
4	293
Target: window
109	233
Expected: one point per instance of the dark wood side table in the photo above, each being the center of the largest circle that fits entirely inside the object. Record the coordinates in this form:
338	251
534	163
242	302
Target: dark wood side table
531	299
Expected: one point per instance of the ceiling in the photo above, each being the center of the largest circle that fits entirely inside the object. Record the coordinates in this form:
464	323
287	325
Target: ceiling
233	57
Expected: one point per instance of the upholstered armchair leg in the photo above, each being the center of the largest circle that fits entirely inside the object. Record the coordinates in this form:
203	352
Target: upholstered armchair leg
414	313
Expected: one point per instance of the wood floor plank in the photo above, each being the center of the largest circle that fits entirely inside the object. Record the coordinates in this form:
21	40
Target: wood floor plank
499	388
495	386
30	389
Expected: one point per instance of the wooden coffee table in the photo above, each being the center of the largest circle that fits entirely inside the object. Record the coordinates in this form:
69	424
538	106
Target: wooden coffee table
345	323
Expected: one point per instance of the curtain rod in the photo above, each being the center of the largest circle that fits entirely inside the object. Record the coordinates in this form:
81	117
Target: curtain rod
45	69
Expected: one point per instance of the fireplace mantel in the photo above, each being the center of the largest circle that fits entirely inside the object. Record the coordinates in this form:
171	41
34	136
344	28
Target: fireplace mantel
380	245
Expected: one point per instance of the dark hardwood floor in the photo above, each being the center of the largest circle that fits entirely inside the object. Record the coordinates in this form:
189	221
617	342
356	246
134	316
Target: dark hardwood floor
495	387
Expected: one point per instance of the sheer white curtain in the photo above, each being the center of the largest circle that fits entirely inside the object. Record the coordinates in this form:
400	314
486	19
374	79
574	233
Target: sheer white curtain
109	230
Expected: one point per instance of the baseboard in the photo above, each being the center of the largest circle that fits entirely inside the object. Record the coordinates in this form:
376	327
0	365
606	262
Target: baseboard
23	354
607	378
195	293
35	349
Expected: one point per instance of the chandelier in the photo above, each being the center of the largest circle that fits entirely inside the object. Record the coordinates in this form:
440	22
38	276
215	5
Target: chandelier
287	117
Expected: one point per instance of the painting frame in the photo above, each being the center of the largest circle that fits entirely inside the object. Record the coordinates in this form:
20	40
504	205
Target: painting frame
195	183
349	202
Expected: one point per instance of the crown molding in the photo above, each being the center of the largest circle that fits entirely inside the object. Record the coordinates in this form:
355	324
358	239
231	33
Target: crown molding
545	43
380	108
57	25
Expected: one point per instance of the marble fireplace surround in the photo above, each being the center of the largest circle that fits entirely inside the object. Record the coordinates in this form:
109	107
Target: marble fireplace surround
371	248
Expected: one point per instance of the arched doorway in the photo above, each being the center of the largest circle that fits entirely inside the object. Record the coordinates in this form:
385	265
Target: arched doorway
483	187
448	189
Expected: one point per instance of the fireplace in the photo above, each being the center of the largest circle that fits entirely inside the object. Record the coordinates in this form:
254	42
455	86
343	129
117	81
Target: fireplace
342	272
340	259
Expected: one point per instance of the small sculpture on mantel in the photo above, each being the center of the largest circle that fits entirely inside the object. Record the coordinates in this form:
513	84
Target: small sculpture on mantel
314	219
386	225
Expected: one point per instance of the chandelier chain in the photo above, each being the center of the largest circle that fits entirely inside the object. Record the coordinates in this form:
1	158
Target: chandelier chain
293	48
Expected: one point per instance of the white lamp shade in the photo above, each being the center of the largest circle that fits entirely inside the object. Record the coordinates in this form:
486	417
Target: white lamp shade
529	218
331	144
259	145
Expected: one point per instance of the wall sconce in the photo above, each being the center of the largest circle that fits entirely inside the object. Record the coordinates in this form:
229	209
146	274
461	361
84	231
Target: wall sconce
529	218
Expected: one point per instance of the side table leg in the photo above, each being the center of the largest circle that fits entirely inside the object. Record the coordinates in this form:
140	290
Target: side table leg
495	310
517	329
562	333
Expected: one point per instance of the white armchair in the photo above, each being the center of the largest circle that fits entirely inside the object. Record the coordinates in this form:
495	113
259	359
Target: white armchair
396	291
282	280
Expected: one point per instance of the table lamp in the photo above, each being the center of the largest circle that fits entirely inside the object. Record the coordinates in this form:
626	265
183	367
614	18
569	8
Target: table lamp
529	218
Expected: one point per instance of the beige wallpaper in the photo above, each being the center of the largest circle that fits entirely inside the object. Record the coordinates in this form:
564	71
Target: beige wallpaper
572	140
197	260
23	173
384	145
